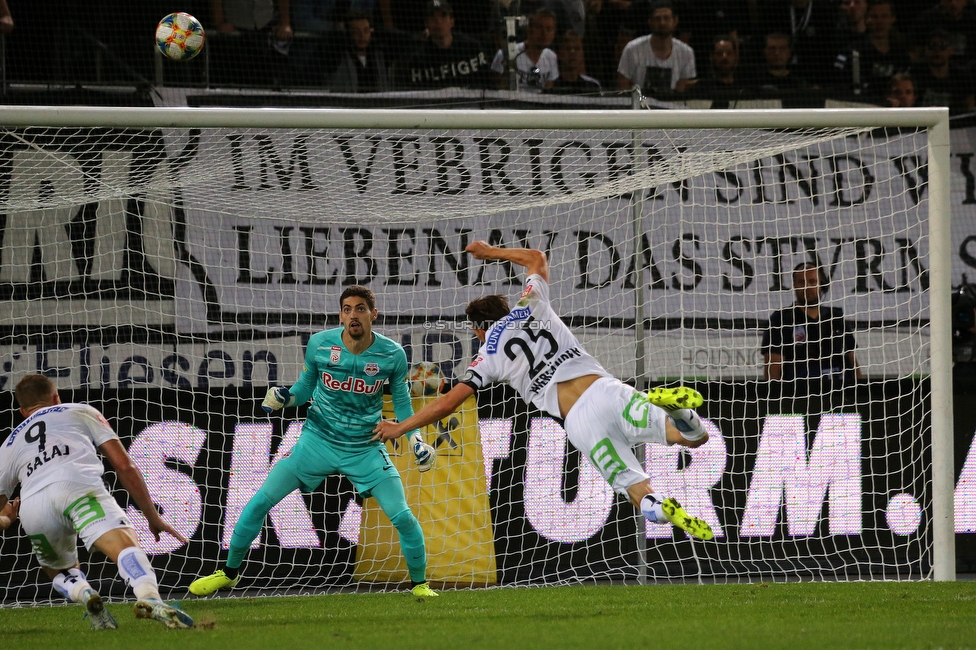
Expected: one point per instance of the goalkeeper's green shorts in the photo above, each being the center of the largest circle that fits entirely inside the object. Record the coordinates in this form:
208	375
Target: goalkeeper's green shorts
312	459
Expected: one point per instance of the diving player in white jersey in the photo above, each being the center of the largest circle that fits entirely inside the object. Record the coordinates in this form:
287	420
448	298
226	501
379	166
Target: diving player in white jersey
532	350
52	455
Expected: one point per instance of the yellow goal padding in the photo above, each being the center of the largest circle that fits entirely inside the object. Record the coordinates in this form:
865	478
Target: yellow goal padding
450	501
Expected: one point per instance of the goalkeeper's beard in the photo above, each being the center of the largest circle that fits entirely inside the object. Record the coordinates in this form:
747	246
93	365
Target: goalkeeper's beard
356	335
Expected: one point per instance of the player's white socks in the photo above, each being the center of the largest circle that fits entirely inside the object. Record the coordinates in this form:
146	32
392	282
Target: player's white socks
138	573
688	424
73	585
652	510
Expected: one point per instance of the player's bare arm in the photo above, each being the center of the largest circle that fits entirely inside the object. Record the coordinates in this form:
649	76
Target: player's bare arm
773	365
533	260
853	363
8	511
430	413
132	480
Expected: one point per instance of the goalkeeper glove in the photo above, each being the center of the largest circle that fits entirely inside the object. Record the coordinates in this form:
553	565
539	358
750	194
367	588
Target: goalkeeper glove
276	399
422	452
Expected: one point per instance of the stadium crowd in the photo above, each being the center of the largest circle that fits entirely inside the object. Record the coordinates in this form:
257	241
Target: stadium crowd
796	52
886	52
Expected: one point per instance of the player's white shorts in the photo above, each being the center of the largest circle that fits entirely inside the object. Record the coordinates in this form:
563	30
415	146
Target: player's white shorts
58	514
607	421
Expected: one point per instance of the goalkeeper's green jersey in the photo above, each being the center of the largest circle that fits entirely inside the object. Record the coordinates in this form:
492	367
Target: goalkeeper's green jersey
347	389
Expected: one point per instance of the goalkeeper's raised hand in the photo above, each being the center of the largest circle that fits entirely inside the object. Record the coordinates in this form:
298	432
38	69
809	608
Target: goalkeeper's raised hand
276	399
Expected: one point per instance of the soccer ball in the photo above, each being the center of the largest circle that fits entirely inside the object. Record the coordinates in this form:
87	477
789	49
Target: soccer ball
179	36
425	378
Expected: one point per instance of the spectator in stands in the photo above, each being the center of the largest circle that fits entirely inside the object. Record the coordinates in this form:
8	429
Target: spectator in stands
713	18
262	33
940	81
251	16
723	84
471	17
957	19
572	78
882	52
570	14
658	63
599	38
320	43
536	65
901	91
851	23
362	68
811	26
777	77
808	340
6	18
326	16
447	58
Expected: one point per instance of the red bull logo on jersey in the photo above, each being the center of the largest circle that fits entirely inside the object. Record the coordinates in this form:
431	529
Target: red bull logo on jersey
352	384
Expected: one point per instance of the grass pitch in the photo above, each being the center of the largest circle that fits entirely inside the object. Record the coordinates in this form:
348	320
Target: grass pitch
793	616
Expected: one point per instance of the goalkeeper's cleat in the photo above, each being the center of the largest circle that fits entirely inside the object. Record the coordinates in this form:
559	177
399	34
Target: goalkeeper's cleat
672	399
694	526
423	455
98	616
423	590
171	617
208	584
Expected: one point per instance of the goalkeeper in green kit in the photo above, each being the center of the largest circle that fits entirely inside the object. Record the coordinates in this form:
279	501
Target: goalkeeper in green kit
345	369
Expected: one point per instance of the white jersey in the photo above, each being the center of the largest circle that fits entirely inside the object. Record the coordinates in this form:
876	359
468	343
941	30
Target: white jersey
531	350
639	63
532	77
56	443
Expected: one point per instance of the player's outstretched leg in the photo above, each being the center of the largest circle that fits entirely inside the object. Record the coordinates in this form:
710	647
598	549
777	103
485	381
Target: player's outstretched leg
669	510
680	404
389	494
138	573
156	609
672	399
98	616
280	483
73	585
219	579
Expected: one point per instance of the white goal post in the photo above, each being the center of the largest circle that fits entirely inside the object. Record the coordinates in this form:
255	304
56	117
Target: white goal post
168	264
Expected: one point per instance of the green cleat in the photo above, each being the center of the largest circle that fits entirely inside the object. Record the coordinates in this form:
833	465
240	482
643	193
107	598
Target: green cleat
694	526
208	584
171	617
423	590
98	617
672	399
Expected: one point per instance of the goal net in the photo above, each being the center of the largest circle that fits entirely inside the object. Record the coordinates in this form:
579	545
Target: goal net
167	266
